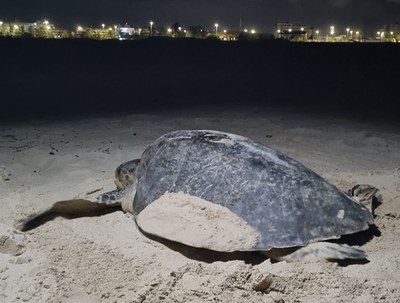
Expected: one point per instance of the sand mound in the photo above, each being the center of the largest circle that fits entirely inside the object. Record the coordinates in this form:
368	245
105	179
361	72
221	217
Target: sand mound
196	222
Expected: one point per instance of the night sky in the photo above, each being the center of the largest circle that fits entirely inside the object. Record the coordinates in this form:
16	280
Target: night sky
260	14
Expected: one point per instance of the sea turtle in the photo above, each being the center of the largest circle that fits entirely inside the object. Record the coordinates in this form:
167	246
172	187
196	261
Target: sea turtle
278	205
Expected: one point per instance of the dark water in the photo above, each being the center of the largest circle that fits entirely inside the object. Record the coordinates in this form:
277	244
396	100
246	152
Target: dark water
41	78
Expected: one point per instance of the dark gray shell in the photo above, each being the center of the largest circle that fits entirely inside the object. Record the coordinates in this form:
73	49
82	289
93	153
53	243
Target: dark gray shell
287	203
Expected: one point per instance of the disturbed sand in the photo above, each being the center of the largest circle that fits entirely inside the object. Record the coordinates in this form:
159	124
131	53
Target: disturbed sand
105	258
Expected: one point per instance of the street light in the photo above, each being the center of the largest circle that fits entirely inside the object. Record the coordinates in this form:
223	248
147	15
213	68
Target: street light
103	25
151	28
358	35
216	28
317	32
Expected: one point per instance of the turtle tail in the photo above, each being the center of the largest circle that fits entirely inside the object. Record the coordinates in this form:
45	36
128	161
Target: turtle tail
323	250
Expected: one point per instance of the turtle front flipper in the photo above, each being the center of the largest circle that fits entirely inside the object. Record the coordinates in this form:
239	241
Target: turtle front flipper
112	197
123	196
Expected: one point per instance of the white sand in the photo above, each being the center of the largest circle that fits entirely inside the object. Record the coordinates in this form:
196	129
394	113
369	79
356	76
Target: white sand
196	222
106	258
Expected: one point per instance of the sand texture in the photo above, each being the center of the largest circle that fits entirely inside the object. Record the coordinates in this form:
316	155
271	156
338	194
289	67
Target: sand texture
105	258
196	222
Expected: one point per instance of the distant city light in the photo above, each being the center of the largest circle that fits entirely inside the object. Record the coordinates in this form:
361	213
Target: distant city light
151	28
291	31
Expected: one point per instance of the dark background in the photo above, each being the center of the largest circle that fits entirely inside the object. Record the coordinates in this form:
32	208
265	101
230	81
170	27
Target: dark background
53	78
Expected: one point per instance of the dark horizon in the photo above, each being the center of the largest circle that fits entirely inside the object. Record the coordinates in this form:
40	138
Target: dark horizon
258	14
85	77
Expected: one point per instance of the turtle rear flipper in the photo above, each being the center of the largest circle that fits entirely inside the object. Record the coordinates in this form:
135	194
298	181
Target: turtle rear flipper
319	250
367	195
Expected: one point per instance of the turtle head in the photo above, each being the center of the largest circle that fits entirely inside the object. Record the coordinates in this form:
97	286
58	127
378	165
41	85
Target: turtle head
125	180
125	174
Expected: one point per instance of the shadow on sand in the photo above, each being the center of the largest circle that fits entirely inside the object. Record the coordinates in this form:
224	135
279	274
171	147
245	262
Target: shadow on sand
68	209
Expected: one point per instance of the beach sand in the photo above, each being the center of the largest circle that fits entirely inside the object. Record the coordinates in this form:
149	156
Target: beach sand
105	258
